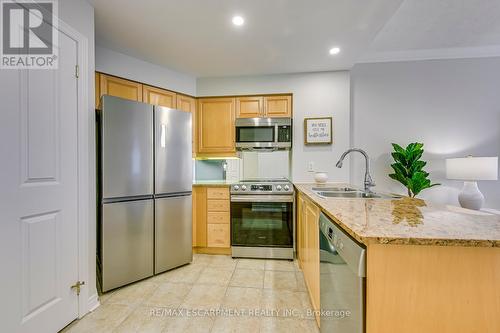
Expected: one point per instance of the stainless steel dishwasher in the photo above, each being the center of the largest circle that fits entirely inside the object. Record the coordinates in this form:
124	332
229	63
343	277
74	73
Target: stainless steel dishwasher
342	280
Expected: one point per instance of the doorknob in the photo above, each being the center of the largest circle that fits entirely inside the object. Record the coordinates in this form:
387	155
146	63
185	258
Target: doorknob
77	286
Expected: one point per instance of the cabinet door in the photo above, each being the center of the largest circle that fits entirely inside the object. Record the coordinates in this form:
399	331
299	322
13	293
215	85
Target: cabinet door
186	103
312	277
199	216
115	86
278	106
218	235
300	230
215	125
157	96
249	107
97	79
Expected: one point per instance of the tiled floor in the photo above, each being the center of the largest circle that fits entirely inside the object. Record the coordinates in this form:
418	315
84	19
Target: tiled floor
213	294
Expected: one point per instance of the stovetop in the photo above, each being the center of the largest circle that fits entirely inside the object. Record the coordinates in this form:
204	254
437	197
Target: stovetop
263	186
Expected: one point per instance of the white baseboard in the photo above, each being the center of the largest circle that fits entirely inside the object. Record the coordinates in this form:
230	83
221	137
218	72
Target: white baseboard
93	302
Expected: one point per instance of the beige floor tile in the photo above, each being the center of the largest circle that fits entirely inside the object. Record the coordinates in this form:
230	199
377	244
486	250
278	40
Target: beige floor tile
103	319
204	297
223	261
133	294
215	275
287	325
202	258
247	278
236	324
280	265
296	265
185	274
169	295
251	264
142	320
103	298
238	298
301	283
286	303
280	280
188	325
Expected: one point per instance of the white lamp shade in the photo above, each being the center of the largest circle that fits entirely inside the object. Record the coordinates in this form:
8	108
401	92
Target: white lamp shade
472	168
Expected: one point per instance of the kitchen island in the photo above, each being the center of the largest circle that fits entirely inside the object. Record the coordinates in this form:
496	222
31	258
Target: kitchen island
430	268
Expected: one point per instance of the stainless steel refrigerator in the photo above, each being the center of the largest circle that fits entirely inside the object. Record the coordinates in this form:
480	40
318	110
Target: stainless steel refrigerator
145	179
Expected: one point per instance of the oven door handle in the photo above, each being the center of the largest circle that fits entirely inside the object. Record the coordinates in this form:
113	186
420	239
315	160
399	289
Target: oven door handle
262	198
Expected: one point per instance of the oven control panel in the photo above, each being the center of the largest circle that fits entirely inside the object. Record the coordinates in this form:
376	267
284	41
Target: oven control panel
264	188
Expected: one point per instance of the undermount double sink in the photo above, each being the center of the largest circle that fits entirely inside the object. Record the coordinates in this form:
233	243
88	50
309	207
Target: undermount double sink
348	192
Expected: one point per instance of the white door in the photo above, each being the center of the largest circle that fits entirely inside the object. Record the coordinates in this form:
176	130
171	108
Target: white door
38	195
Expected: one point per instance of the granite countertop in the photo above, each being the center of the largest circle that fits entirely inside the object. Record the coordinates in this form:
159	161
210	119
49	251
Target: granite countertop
212	182
408	221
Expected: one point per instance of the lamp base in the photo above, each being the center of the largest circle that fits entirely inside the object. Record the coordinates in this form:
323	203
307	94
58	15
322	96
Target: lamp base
471	197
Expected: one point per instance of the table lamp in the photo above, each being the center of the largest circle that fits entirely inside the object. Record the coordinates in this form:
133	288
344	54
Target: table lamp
470	169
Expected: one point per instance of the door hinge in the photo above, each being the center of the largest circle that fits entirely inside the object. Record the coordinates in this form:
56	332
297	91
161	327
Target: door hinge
77	71
77	286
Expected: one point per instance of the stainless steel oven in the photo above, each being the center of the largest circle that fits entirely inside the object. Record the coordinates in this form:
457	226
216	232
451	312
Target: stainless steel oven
263	133
262	220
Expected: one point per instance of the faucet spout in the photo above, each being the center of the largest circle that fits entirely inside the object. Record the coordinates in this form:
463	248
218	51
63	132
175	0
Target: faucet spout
368	183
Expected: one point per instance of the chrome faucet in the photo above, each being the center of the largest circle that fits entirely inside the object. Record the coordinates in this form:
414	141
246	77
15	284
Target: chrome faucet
368	178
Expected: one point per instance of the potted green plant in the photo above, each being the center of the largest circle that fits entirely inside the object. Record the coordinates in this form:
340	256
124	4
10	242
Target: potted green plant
409	168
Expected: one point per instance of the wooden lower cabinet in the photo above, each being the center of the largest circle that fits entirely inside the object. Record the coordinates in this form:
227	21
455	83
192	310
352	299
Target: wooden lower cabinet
308	247
199	216
211	220
218	235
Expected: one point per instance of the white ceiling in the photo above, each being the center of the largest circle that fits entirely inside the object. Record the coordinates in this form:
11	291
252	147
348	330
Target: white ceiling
439	29
287	36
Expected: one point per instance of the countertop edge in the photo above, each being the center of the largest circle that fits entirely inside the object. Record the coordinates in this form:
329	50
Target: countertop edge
397	240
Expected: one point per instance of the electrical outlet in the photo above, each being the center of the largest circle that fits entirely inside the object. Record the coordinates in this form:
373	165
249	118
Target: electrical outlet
310	167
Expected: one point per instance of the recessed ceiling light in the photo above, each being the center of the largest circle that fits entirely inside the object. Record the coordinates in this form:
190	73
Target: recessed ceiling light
334	50
238	20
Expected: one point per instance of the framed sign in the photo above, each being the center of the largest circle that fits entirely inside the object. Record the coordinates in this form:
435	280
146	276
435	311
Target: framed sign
318	130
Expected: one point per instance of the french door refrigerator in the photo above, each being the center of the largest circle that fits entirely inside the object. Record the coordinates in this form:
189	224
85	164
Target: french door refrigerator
145	190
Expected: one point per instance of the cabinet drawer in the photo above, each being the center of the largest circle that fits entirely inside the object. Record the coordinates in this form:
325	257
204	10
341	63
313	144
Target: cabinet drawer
218	217
218	235
217	205
217	193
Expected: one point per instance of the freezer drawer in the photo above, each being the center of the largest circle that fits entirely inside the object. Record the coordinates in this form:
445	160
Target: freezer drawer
127	242
173	232
127	148
174	171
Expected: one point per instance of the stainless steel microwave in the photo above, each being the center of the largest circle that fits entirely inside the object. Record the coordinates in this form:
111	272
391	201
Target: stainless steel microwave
261	134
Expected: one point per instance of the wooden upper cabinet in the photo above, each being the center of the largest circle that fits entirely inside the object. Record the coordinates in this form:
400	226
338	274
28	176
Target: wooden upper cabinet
249	107
186	103
278	106
215	125
157	96
114	86
97	90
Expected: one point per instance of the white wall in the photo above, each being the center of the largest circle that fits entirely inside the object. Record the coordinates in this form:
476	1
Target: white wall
452	106
314	95
119	64
79	14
